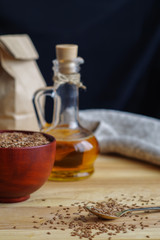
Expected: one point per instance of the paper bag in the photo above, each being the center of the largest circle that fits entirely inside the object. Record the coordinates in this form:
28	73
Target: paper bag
20	77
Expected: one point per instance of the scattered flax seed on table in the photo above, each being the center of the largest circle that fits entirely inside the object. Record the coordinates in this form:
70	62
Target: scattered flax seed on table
85	225
20	139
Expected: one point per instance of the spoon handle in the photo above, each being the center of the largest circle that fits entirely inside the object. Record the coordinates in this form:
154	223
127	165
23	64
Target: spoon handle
140	209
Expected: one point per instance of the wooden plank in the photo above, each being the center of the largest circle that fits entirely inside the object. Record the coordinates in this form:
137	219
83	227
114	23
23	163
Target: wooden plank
114	177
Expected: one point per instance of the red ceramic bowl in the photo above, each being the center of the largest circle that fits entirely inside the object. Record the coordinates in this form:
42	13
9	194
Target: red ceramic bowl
24	170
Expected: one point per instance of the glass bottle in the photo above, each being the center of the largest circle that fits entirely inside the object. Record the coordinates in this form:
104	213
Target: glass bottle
76	147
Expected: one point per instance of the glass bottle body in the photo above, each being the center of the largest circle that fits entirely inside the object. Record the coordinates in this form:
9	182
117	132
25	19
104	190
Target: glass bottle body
76	147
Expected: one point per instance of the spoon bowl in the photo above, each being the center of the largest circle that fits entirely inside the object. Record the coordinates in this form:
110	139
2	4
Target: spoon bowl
100	214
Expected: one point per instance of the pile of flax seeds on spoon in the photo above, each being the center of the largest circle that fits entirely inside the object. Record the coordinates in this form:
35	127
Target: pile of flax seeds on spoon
84	225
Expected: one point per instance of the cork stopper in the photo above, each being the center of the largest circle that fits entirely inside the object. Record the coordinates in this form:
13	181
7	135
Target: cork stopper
66	52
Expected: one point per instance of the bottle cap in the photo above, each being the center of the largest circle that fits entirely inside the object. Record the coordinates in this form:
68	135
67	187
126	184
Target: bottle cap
66	52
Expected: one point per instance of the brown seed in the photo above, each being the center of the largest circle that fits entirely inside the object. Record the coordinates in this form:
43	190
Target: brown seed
35	227
20	139
85	225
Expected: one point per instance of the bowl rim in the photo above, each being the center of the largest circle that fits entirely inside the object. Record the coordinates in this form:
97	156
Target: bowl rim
48	136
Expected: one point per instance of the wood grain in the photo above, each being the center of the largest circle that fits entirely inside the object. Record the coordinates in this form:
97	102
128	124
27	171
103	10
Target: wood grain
114	177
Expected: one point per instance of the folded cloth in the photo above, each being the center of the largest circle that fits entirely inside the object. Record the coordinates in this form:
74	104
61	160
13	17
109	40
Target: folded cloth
128	134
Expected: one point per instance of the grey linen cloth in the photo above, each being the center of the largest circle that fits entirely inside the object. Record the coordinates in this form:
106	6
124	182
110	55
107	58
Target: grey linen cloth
128	134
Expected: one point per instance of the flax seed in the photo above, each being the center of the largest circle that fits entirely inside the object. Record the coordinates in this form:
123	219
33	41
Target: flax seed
36	227
21	139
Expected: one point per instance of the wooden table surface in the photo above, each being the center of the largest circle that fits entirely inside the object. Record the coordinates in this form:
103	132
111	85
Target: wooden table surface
51	212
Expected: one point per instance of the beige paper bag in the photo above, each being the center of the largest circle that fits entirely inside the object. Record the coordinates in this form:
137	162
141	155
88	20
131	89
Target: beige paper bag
20	77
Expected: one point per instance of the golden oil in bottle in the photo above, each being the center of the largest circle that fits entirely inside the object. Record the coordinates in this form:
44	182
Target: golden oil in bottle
75	154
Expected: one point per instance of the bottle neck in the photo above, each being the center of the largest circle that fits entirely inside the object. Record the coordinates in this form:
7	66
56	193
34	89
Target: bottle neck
66	103
67	67
66	106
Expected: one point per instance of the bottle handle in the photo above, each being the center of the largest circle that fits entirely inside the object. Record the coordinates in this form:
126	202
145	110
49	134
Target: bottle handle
47	91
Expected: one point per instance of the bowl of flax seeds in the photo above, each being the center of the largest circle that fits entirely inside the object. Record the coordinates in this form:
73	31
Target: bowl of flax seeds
26	160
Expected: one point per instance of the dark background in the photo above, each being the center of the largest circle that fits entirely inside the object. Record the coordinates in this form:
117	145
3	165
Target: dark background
118	39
